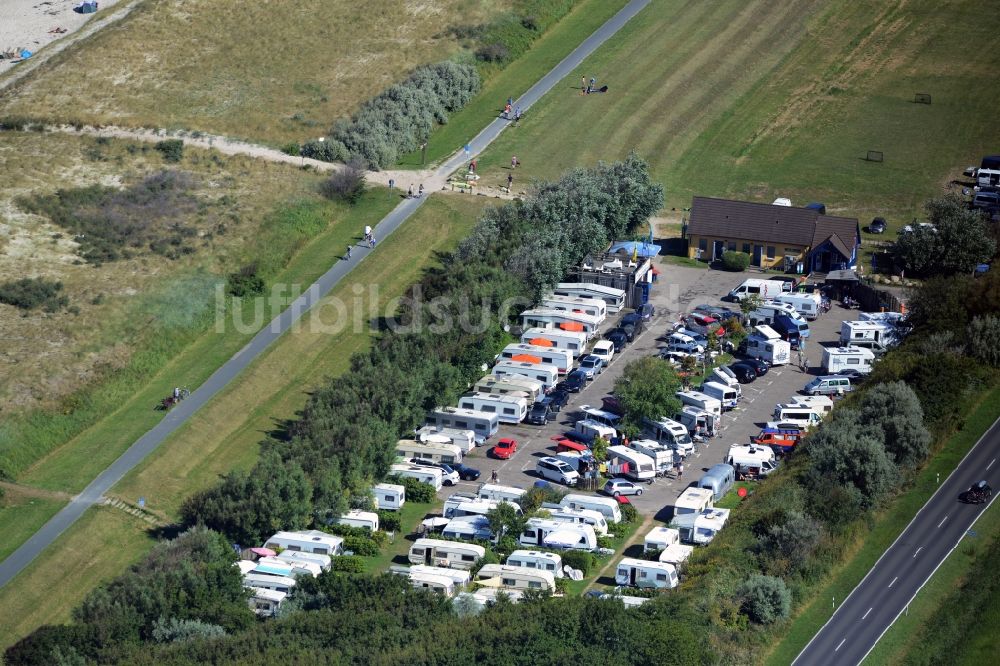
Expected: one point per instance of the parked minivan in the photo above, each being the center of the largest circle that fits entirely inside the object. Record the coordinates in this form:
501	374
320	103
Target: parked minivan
833	385
553	469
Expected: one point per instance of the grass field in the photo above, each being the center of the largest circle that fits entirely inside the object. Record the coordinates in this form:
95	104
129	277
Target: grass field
267	72
22	512
887	527
759	99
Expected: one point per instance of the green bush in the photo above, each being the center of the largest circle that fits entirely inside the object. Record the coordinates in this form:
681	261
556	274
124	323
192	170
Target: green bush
31	293
245	282
346	184
735	261
765	599
172	149
348	564
579	559
629	513
361	546
416	491
389	521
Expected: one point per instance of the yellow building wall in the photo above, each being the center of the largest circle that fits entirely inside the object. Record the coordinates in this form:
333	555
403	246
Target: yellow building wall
780	251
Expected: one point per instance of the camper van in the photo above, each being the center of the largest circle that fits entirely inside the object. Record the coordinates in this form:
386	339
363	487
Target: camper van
367	520
640	466
446	582
508	408
441	553
723	375
307	541
693	500
429	475
757	287
661	455
389	496
668	541
705	403
587	431
700	528
483	424
698	421
804	416
558	535
675	435
765	343
876	335
468	528
583	516
572	341
752	461
269	582
645	574
524	353
489	491
719	479
807	305
594	307
600	416
841	359
432	451
534	559
561	320
457	505
295	557
820	404
828	385
614	299
463	439
606	506
546	374
516	578
265	602
724	394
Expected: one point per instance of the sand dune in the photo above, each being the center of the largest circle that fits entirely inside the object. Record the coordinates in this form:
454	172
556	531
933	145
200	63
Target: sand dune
31	24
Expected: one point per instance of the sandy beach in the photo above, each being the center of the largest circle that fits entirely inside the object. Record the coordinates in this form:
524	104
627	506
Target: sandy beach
31	24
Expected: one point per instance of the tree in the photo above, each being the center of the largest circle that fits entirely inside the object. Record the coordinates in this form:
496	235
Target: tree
646	389
599	449
504	520
347	183
765	599
984	339
958	240
748	304
792	541
895	409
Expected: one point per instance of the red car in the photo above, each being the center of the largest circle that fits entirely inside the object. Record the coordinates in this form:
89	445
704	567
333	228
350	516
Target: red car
505	448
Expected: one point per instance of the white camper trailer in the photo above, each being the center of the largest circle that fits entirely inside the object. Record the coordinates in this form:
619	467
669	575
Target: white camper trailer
640	466
525	353
572	341
468	528
429	475
364	519
432	451
516	385
389	496
265	602
463	439
508	408
269	582
558	535
294	557
645	574
534	559
484	425
765	343
307	541
490	491
807	305
727	395
515	578
821	404
587	430
700	528
446	582
442	553
752	460
698	421
662	455
583	516
693	500
594	307
547	374
280	566
606	506
458	505
875	335
839	359
705	403
667	540
614	298
561	319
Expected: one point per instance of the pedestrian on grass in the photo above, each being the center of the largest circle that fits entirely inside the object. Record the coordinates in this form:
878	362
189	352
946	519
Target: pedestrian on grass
472	166
510	180
514	162
592	87
583	85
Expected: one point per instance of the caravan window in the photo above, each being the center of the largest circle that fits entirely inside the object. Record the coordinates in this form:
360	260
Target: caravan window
508	410
509	582
534	584
489	409
468	558
661	576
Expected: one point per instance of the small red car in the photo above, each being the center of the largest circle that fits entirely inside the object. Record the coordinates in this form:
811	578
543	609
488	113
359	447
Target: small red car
505	448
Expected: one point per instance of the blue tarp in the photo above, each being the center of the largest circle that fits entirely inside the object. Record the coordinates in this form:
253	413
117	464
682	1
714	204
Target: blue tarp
645	248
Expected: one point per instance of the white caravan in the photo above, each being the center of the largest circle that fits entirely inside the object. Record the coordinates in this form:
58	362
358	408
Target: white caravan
445	582
839	359
561	319
534	559
508	408
458	505
640	466
525	353
468	528
821	404
463	439
662	455
265	602
547	374
759	460
307	541
367	520
587	430
698	421
515	578
807	305
433	451
700	528
572	341
724	394
693	500
280	566
429	475
389	496
614	298
490	491
667	540
583	516
269	582
558	535
484	425
645	574
594	307
705	403
606	506
293	557
879	335
442	553
516	385
765	343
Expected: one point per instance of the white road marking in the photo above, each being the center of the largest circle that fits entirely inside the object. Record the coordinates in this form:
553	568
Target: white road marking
893	581
844	640
866	613
991	463
918	551
942	522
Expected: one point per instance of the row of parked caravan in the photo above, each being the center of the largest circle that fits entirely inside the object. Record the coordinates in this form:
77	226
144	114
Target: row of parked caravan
270	571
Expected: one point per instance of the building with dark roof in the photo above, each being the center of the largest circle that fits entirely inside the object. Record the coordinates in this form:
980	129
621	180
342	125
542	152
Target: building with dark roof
778	237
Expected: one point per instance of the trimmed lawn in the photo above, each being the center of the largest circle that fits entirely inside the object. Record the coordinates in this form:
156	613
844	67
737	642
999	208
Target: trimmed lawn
397	552
887	527
97	548
21	517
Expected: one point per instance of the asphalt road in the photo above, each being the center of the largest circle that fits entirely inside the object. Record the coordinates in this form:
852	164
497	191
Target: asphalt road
229	371
885	592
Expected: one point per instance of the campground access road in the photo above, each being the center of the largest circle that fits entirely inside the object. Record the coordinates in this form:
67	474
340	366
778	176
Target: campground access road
885	592
230	370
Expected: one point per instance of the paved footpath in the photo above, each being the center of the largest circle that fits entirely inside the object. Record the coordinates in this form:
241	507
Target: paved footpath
145	445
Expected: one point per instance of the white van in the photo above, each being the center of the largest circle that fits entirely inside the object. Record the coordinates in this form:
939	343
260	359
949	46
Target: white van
614	298
705	403
760	460
516	578
757	287
724	394
840	359
693	500
606	506
483	424
594	307
432	451
662	456
640	466
547	374
765	343
441	553
463	439
807	305
833	385
535	559
674	434
696	420
525	353
429	475
557	471
572	341
723	375
804	416
584	516
367	520
558	535
489	491
601	416
645	574
508	408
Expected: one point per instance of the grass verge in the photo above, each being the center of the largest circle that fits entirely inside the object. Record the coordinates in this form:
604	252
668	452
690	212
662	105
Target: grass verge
20	517
884	531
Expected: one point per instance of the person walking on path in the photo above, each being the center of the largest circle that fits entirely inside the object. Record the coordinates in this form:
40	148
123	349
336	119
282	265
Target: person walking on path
802	363
409	194
680	470
510	179
420	192
517	115
348	251
371	242
368	232
506	111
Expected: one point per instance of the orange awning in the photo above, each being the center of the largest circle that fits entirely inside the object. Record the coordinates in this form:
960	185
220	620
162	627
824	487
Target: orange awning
526	358
571	326
541	342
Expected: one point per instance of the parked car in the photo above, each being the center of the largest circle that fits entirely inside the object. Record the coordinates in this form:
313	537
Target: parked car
591	365
878	226
553	469
744	372
631	331
505	448
676	358
465	472
719	312
449	475
618	487
603	349
541	412
632	318
760	366
618	338
986	201
611	404
575	381
646	311
559	398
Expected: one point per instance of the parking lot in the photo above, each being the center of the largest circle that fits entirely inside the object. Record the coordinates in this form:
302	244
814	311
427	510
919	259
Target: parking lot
678	291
